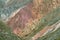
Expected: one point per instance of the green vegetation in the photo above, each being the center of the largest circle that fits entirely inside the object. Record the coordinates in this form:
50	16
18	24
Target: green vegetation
6	33
51	36
11	6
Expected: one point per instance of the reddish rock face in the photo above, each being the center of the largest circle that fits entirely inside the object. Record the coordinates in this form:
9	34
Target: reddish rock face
21	18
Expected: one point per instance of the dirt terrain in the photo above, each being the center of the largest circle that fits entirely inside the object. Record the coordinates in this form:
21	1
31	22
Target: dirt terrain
23	22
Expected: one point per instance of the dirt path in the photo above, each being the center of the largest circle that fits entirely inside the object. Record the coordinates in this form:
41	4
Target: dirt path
41	33
47	29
